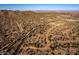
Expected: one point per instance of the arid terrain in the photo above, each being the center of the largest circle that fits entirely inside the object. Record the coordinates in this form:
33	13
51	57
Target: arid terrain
39	33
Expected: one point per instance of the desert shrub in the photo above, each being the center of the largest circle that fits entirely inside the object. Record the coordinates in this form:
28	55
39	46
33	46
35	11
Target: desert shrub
40	43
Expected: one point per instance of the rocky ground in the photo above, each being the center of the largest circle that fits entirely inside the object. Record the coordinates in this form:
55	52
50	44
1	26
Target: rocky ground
39	33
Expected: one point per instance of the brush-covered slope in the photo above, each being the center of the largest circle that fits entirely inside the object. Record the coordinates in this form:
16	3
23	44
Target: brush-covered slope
40	33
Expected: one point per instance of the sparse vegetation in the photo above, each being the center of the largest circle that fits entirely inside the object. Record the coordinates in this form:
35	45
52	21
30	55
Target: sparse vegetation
38	33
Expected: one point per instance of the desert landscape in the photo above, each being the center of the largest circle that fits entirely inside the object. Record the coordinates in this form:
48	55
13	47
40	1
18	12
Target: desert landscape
39	33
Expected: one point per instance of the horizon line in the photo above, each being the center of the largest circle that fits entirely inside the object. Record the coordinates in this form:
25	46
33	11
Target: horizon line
43	10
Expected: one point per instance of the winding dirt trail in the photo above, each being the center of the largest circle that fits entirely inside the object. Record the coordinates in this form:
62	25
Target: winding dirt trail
53	26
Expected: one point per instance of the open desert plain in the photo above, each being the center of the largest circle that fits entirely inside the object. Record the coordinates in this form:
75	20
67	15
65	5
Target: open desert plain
39	33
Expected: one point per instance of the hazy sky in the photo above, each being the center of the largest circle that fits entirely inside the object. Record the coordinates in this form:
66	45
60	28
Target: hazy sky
34	7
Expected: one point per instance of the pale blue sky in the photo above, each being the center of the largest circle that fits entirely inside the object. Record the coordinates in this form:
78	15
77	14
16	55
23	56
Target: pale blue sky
34	7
